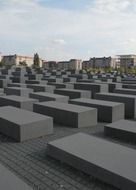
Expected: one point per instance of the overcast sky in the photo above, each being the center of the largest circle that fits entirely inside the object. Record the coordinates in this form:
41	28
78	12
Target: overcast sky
64	29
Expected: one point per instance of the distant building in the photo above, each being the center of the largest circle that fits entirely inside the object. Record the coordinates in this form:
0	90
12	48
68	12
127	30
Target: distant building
75	64
126	61
50	65
63	65
10	60
99	62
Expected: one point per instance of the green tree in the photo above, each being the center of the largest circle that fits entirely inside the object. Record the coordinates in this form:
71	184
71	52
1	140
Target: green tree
22	63
1	63
36	61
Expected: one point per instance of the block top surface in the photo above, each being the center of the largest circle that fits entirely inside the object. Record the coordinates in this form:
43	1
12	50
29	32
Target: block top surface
125	125
39	85
8	181
20	116
113	157
88	83
65	106
18	88
96	102
47	94
17	98
71	90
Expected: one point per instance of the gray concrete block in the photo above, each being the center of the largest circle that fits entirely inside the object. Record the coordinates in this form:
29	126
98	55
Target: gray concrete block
109	162
128	100
3	83
122	129
72	93
68	114
22	85
93	87
41	88
112	85
32	82
61	85
18	91
57	84
130	86
45	96
9	181
18	101
23	125
107	111
125	91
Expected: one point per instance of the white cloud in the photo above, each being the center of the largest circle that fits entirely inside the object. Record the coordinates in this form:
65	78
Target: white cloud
105	27
59	42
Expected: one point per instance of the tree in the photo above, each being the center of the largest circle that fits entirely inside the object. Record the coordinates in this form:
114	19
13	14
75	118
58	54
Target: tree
1	64
36	61
22	63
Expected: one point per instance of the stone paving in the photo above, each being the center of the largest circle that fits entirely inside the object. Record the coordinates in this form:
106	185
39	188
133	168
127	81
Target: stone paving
28	160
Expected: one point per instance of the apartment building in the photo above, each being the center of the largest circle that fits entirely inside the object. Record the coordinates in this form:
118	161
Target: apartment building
99	62
126	61
10	60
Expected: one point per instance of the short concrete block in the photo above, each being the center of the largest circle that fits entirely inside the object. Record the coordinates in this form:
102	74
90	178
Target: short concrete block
45	96
107	111
68	114
18	101
125	91
24	125
93	87
22	85
129	86
128	100
122	129
72	93
3	83
18	91
109	162
41	88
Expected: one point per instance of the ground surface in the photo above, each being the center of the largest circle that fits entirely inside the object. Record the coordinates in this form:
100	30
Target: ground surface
28	160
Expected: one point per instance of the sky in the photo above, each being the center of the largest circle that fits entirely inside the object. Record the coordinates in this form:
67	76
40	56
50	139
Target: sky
65	29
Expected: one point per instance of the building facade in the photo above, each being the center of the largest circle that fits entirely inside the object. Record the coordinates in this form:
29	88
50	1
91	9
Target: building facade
99	62
49	65
126	61
63	65
73	64
10	60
